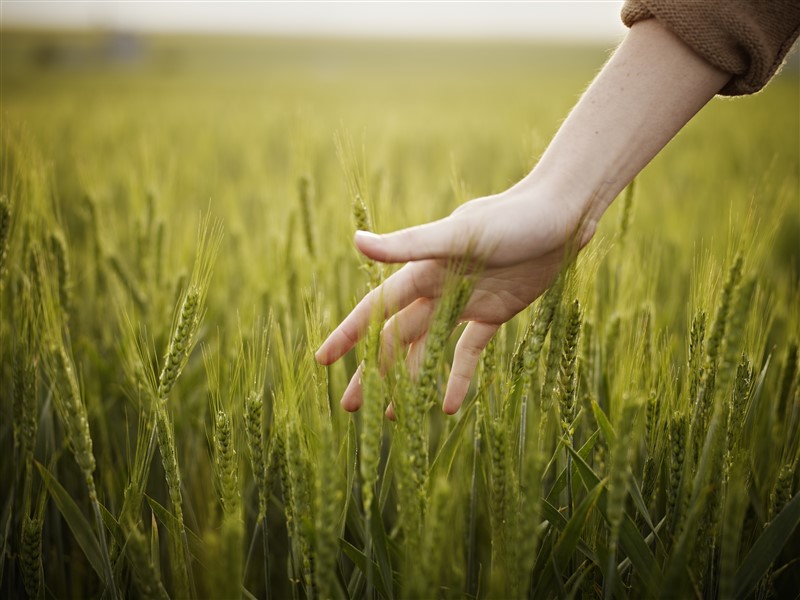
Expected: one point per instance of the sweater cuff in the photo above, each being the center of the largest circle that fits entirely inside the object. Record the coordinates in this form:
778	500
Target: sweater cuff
747	38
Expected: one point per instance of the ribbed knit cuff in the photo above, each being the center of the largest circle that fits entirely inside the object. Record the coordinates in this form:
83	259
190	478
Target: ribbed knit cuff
747	38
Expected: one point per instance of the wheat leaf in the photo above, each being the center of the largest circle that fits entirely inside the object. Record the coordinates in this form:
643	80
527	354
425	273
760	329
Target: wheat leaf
767	548
77	523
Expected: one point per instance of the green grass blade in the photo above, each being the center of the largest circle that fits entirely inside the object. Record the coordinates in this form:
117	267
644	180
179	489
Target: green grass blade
677	575
444	459
575	584
7	514
380	547
472	527
626	564
543	558
756	395
78	524
110	523
767	548
570	536
603	423
630	539
347	449
360	561
640	555
553	516
155	545
566	545
168	520
585	451
638	501
354	524
386	477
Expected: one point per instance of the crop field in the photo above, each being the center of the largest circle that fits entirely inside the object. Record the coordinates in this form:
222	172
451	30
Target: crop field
176	231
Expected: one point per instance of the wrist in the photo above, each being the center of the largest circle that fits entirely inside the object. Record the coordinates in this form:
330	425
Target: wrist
561	206
644	95
584	197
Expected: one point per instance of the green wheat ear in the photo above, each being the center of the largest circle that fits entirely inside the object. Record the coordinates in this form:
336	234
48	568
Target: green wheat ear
254	429
192	307
255	352
68	397
364	223
327	497
224	580
361	214
306	195
58	246
696	338
226	462
678	445
31	550
180	343
527	352
5	233
25	404
567	368
372	420
354	166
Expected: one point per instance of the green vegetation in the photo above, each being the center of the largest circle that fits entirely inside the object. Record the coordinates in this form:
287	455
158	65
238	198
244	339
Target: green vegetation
175	243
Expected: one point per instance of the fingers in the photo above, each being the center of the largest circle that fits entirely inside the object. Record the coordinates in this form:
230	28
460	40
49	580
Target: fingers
468	351
413	281
438	239
410	326
416	354
403	328
353	398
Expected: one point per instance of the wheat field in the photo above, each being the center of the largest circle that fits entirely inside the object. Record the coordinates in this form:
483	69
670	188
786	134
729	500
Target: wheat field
176	241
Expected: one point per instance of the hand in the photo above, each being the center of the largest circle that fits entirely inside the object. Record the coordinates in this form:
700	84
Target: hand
643	96
519	239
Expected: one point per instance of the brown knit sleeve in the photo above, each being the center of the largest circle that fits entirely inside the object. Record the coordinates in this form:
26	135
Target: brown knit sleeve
747	38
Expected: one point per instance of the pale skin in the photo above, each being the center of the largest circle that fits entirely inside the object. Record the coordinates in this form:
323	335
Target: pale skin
650	88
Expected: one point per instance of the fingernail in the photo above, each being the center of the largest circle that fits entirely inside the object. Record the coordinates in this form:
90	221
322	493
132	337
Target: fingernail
366	236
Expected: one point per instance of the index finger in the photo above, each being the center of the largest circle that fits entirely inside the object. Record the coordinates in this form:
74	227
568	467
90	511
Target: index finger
414	280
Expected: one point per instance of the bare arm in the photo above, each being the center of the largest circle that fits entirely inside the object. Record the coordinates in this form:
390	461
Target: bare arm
652	86
644	95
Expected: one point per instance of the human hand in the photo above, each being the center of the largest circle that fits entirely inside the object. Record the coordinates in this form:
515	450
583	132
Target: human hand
518	238
642	97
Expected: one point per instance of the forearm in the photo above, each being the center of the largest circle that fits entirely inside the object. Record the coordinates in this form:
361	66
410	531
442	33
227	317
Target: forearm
645	94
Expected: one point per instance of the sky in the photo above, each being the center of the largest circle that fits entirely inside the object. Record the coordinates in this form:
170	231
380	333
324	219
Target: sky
574	20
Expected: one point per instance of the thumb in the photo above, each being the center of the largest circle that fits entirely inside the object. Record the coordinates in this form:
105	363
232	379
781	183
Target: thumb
438	239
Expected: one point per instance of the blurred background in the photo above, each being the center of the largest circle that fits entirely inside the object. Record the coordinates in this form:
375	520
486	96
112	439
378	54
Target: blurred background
316	39
260	88
124	33
565	19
